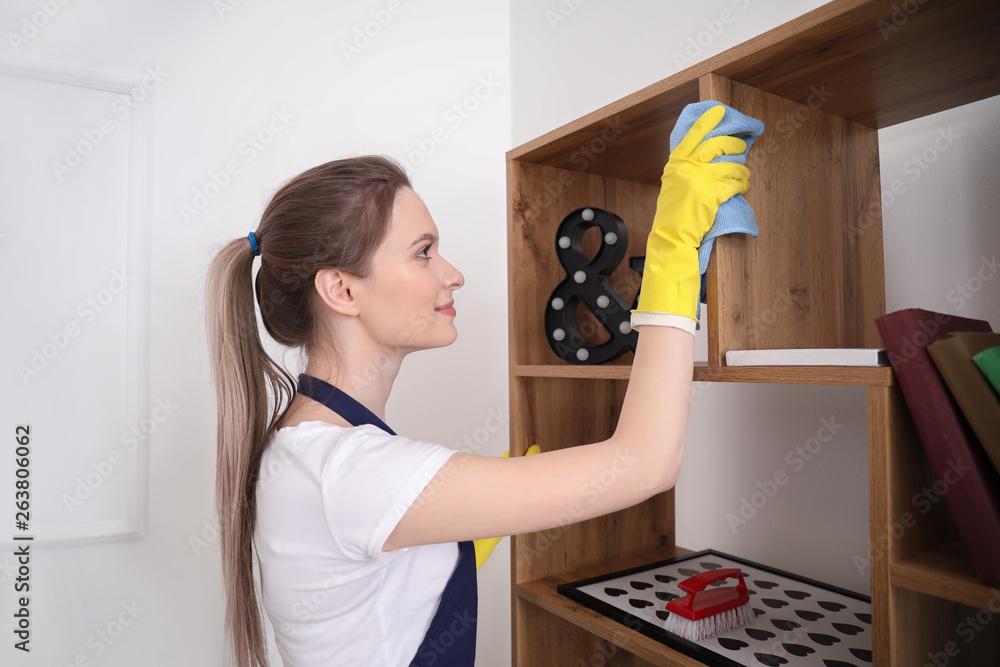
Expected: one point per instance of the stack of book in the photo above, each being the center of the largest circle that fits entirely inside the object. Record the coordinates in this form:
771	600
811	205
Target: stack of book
947	371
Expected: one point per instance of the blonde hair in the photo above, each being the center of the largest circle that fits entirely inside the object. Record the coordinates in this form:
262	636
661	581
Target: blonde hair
334	215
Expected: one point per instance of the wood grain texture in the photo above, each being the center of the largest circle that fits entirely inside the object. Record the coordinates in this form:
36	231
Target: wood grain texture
641	122
930	630
565	412
918	518
880	423
872	62
578	639
542	595
879	376
945	572
539	199
913	542
881	63
898	469
822	83
814	277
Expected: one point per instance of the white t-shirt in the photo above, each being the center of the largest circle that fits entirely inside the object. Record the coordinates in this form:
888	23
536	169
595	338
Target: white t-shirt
327	498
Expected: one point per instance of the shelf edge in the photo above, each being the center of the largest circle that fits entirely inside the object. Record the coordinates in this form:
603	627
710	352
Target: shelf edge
864	376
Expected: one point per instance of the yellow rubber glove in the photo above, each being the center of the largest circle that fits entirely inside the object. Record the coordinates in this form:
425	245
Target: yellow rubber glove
484	546
692	189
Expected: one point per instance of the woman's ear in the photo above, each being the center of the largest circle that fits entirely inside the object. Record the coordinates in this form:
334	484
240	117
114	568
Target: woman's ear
334	288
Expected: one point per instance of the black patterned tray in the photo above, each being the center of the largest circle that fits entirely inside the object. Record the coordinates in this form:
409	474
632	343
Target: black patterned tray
798	621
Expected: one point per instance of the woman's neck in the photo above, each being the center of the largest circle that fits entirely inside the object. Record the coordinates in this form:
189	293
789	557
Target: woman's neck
367	383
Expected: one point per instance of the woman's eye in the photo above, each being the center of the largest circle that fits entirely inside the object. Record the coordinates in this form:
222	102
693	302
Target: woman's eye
424	250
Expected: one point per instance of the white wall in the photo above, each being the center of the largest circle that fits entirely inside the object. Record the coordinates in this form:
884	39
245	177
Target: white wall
570	58
225	76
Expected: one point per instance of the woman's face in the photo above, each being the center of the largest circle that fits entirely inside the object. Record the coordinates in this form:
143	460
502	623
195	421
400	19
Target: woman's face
411	280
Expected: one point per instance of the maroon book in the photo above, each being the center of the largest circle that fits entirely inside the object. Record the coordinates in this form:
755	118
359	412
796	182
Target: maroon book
974	498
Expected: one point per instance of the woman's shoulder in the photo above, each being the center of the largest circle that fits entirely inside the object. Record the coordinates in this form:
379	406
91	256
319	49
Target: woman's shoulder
315	429
305	425
308	412
309	447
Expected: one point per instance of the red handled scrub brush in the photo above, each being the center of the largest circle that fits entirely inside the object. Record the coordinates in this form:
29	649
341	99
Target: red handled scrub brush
702	614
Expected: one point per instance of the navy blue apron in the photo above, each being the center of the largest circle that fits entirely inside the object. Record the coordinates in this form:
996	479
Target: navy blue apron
450	640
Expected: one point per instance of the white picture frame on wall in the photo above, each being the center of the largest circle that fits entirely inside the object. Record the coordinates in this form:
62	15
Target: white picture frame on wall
74	259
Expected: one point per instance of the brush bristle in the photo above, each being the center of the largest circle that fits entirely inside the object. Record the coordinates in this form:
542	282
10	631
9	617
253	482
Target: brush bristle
710	626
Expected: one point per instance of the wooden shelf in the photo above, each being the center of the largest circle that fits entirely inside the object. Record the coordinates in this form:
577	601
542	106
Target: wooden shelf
544	594
814	278
944	572
866	75
868	376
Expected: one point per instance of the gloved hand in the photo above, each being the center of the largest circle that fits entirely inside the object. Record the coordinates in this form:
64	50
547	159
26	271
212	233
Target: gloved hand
485	545
692	189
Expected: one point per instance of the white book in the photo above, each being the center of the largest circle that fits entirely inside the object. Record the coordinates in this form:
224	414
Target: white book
849	356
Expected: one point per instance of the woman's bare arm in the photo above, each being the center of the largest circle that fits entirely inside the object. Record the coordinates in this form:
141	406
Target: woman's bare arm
473	496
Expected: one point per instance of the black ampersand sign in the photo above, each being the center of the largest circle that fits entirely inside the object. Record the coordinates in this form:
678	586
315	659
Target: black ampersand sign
587	283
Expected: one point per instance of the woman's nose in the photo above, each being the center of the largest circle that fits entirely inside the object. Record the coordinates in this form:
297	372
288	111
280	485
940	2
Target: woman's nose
453	277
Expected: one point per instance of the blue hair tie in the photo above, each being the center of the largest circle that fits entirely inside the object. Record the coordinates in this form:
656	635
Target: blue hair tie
253	244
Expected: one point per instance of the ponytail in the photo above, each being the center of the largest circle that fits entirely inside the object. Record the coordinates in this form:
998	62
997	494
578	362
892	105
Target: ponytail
335	215
243	373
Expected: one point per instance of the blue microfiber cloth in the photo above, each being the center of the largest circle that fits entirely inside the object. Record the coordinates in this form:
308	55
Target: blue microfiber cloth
735	214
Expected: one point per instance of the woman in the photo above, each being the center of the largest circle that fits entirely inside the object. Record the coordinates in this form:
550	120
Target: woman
364	537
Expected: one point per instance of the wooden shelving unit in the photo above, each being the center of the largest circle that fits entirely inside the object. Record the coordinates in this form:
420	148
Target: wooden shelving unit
823	84
848	375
